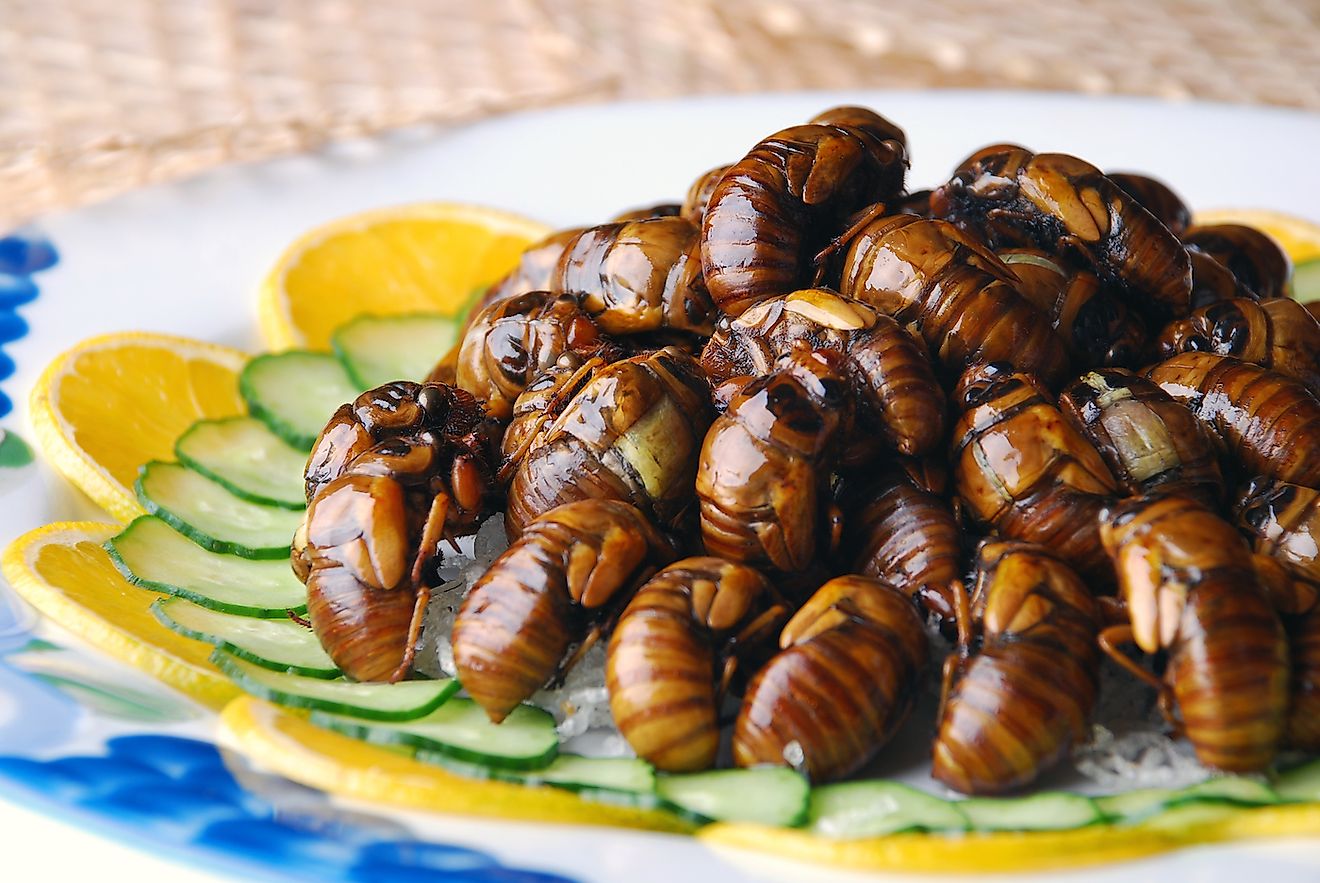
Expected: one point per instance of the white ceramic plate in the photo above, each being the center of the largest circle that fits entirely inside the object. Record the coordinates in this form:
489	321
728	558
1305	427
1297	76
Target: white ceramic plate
186	258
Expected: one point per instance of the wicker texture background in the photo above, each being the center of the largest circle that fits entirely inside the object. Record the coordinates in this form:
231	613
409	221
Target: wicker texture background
97	96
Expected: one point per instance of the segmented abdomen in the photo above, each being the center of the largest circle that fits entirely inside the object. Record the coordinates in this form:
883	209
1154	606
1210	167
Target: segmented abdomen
1016	709
1270	423
958	295
514	627
1229	672
830	701
907	537
365	630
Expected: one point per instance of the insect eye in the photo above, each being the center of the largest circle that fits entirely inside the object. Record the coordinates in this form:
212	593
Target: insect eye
434	402
1197	343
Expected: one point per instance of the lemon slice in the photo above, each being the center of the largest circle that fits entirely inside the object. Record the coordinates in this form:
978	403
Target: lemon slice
1299	237
289	745
62	570
1024	851
110	404
428	257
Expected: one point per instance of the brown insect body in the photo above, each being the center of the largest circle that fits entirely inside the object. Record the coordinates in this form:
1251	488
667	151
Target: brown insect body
1022	469
961	299
1283	522
393	473
1268	423
698	196
1013	707
1149	441
672	653
510	343
516	625
639	276
904	535
899	399
1098	327
1253	257
778	206
1278	334
841	685
632	432
648	212
1157	198
536	269
764	469
1212	282
1190	586
1061	203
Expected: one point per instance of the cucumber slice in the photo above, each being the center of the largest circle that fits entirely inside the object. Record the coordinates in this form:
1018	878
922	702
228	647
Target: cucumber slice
1133	806
1234	790
211	516
404	701
460	729
1300	783
151	554
1179	819
1048	811
248	459
1306	281
569	771
295	393
872	809
277	644
378	349
766	795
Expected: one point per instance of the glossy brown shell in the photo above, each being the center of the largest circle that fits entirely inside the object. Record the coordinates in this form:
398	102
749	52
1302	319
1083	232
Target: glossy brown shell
1098	327
631	433
1015	706
1268	423
1157	198
1021	468
898	395
1278	334
698	195
1212	282
1254	258
780	204
1228	657
903	535
648	212
536	270
665	657
960	298
384	463
840	687
1149	441
638	276
1283	521
510	343
764	468
1303	728
1063	204
517	623
365	630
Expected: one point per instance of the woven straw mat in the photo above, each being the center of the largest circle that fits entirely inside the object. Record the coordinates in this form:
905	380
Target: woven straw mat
98	96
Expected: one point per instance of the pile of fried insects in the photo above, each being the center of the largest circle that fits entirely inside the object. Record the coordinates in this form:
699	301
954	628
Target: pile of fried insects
752	445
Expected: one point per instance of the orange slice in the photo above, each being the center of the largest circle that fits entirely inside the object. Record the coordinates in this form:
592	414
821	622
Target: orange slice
111	403
62	571
428	257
